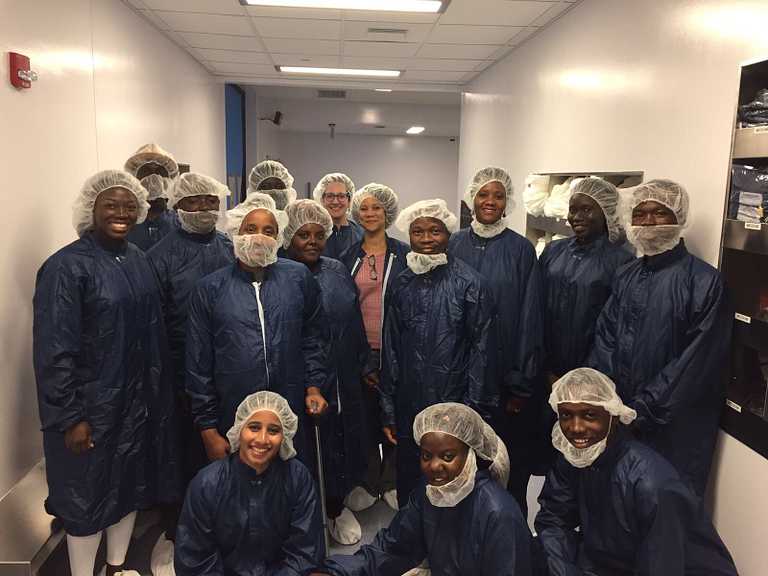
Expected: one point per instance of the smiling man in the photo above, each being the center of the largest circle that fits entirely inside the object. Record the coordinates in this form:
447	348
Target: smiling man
634	514
334	192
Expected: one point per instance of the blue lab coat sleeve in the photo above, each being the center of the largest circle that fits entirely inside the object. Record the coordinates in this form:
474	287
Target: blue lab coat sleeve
197	552
199	382
482	392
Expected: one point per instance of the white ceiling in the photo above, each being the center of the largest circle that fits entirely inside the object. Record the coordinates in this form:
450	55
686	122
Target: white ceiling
437	51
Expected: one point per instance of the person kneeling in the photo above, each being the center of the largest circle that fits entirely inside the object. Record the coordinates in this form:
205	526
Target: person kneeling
634	513
252	511
463	520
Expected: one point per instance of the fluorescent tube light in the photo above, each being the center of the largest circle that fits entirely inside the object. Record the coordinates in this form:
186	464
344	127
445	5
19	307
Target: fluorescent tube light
383	89
382	5
415	130
338	71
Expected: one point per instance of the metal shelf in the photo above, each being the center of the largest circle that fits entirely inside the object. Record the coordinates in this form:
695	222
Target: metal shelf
753	334
746	236
548	224
751	143
746	427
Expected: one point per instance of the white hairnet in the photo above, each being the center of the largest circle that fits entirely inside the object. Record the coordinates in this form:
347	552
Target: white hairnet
255	201
82	207
436	208
384	194
319	190
266	400
607	197
156	186
152	154
303	212
485	175
194	184
666	192
588	386
272	169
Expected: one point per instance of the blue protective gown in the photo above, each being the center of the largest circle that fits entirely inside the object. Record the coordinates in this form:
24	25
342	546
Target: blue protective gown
236	522
663	338
231	354
437	348
101	356
636	518
576	285
342	238
150	232
483	535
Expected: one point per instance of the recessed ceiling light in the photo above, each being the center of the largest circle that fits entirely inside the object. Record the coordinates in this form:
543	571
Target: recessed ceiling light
338	71
383	89
415	130
383	5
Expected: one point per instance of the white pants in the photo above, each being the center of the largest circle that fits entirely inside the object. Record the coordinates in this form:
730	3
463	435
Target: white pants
83	549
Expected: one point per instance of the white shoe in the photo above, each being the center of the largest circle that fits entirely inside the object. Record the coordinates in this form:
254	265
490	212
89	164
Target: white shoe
345	529
420	570
359	499
161	562
390	497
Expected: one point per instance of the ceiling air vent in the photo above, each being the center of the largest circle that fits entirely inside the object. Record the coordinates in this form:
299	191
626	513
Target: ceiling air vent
331	93
388	33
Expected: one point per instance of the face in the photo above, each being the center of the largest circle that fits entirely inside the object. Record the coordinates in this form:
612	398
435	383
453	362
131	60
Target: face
586	218
372	216
271	184
259	222
490	202
335	199
114	214
307	244
151	168
583	424
442	457
429	236
199	203
652	214
260	440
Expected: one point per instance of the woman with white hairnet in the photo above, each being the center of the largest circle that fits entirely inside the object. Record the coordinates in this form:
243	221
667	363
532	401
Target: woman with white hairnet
274	180
508	261
257	325
633	512
375	261
255	511
104	376
345	456
460	518
334	192
664	334
438	338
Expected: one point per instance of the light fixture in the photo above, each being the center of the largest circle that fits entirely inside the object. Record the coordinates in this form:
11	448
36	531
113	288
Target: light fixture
382	5
415	130
383	89
338	71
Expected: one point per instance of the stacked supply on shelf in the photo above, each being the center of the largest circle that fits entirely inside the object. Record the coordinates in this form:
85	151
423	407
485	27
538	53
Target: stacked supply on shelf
748	201
557	203
756	112
535	194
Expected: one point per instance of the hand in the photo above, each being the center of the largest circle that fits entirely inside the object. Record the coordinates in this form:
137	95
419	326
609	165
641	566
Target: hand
391	433
184	401
78	438
371	379
515	404
551	379
315	403
216	447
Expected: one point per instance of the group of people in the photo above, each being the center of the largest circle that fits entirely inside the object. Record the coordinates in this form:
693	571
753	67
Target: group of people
173	358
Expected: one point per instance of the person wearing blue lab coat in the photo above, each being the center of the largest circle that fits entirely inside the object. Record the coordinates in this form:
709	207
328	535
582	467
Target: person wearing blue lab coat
634	514
664	334
256	511
104	376
508	261
460	518
438	340
334	192
256	325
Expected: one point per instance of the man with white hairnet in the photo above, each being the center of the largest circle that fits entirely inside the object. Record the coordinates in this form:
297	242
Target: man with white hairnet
664	334
334	192
634	514
182	258
272	178
460	518
257	325
439	336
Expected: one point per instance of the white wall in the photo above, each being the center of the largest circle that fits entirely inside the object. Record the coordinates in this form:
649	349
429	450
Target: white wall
415	167
108	83
646	85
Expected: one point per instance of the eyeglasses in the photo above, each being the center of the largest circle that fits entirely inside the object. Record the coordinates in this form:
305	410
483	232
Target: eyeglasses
372	274
328	197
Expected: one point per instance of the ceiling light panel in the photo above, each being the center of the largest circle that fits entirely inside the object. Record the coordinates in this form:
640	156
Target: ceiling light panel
415	130
429	6
338	71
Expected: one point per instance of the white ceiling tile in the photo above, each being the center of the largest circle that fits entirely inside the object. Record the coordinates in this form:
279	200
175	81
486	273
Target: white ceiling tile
149	15
233	56
370	63
524	35
463	51
237	67
319	47
551	14
505	13
358	30
376	16
381	49
483	65
431	75
309	13
205	6
222	42
298	28
448	65
461	34
210	23
138	4
305	60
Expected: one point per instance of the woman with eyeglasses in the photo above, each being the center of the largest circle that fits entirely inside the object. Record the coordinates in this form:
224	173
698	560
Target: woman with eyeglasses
375	261
334	193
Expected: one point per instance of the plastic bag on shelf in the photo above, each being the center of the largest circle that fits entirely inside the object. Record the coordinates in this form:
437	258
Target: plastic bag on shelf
631	182
540	246
557	203
748	213
746	179
535	194
756	112
750	199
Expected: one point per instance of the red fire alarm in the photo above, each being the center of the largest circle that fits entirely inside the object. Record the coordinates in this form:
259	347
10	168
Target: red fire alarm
21	75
